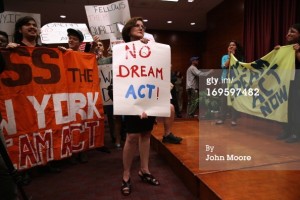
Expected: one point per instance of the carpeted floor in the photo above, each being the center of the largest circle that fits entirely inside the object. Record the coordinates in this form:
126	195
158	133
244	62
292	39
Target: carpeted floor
100	179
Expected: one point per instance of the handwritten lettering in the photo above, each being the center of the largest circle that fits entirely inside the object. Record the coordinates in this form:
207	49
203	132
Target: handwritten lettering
142	91
109	8
140	71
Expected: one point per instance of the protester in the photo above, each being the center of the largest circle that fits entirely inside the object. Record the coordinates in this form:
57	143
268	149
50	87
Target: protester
174	99
114	121
8	188
291	131
75	39
192	85
179	90
138	127
26	34
234	48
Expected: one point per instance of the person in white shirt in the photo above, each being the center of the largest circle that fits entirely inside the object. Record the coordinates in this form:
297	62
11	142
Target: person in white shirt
192	85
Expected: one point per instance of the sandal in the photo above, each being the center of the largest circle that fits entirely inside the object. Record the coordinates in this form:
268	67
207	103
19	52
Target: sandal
126	187
148	178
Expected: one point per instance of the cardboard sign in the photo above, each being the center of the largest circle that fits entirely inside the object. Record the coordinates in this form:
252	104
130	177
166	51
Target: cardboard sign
103	19
56	33
141	78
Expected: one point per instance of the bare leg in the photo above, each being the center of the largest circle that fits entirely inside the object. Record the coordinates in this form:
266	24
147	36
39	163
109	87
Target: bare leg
144	148
128	154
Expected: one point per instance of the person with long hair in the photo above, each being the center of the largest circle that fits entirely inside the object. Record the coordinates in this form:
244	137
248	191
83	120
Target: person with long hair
235	49
26	33
138	127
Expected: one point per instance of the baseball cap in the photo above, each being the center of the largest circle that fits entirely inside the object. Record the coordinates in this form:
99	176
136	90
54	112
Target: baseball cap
194	58
76	32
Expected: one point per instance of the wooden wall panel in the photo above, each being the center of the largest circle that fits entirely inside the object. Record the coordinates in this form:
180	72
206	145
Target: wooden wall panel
183	45
224	23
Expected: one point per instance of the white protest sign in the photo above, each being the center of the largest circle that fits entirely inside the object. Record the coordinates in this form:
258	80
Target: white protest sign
103	19
141	79
56	33
8	20
105	75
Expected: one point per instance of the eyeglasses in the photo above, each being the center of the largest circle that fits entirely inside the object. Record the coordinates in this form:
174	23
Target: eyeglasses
140	26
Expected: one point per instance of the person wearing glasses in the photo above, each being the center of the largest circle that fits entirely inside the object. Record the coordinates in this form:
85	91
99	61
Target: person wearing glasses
138	127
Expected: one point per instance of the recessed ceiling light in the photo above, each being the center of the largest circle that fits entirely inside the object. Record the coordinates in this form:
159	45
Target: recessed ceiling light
63	16
169	22
193	23
190	1
145	20
170	0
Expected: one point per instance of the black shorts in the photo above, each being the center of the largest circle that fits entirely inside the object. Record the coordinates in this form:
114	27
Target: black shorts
134	124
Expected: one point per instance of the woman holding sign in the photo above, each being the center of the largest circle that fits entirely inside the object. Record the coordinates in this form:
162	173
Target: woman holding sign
138	127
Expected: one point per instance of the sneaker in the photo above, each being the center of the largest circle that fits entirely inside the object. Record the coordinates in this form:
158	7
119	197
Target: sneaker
293	138
179	138
233	123
171	139
118	146
219	122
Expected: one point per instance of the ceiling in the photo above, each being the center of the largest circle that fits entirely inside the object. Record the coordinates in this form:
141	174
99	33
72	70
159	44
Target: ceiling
157	12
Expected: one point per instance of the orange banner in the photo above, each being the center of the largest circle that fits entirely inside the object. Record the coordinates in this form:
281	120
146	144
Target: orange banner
50	103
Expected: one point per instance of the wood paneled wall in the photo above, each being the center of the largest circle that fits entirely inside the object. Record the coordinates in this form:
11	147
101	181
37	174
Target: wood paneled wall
224	23
183	45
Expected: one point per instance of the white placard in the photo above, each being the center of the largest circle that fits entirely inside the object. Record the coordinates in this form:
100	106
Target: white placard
141	78
56	33
105	75
8	20
103	19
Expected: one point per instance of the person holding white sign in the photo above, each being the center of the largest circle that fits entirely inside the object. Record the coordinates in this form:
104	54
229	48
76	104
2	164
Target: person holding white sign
138	127
114	121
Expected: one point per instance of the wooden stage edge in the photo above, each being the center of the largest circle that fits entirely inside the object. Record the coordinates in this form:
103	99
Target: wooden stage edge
275	174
